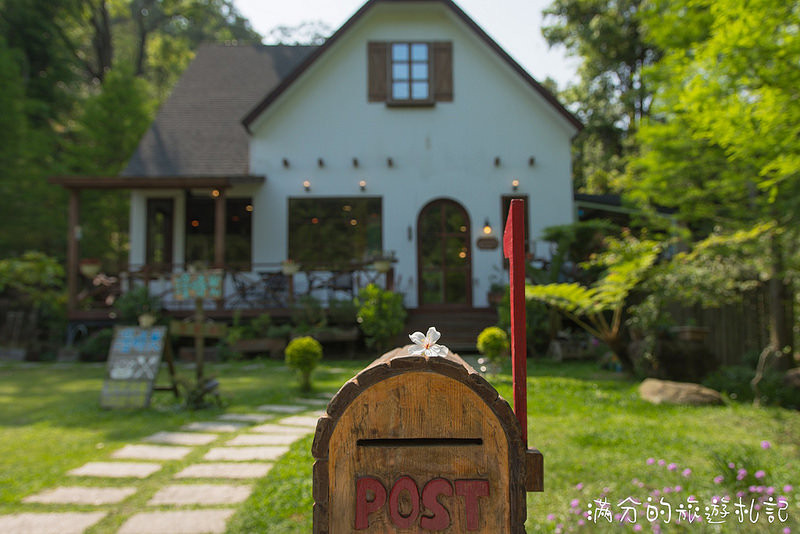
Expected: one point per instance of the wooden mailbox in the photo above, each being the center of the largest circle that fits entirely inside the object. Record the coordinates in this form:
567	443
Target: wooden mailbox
421	444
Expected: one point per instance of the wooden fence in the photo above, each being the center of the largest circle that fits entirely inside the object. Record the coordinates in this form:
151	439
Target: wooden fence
738	332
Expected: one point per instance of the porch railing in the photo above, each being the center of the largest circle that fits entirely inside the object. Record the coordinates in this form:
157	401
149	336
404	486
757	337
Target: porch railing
252	288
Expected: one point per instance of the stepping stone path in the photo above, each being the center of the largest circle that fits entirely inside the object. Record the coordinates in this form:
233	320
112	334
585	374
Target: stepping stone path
52	523
209	494
152	452
81	495
248	454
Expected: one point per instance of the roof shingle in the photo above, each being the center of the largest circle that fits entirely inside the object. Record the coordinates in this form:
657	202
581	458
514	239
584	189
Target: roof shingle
198	129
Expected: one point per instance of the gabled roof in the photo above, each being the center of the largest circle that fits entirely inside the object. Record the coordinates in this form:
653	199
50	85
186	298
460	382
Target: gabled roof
274	93
197	131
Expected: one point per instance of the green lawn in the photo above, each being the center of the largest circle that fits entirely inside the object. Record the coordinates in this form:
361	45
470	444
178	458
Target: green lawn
591	426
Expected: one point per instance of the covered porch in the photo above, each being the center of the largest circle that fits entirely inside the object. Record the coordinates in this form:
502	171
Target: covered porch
250	288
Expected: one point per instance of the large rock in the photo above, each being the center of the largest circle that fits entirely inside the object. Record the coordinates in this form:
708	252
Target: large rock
665	391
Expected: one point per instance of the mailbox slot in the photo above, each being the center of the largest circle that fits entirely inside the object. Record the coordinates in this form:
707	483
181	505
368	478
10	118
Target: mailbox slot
419	442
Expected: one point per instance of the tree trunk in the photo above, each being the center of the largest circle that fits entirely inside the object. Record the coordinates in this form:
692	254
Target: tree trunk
780	311
619	347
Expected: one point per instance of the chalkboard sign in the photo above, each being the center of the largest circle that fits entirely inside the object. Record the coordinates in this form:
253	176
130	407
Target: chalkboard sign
133	364
201	285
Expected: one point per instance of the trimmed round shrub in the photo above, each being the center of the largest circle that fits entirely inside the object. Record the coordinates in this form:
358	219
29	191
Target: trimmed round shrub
303	354
493	343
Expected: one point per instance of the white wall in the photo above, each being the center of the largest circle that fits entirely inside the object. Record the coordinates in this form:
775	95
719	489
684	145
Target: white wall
446	151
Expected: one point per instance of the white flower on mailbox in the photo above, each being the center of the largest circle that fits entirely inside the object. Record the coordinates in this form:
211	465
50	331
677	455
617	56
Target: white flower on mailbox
426	345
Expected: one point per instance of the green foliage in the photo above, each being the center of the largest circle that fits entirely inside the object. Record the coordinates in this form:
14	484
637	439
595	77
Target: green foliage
612	96
381	315
493	343
134	303
735	381
95	347
577	242
626	263
307	312
32	279
538	321
342	312
303	354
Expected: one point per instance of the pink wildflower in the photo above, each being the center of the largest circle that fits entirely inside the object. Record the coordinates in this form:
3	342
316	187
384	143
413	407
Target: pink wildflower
732	465
718	479
651	461
765	444
677	488
551	517
579	486
740	474
787	488
661	463
673	466
574	503
760	474
686	472
787	530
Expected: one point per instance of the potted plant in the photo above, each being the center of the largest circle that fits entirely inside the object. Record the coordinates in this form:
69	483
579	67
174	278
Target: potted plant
89	267
384	262
289	267
303	354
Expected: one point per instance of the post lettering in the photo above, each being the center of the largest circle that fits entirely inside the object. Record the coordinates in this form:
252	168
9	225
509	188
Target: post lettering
405	483
471	490
365	507
440	519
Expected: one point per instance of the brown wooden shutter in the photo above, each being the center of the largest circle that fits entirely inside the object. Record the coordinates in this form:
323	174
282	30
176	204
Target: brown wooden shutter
377	71
443	72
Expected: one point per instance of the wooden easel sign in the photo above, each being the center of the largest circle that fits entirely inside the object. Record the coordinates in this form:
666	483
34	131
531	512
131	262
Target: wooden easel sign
133	364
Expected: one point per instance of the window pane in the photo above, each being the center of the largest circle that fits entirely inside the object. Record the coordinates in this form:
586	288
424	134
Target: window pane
456	287
400	52
419	90
400	71
400	91
419	71
419	52
334	231
159	231
238	232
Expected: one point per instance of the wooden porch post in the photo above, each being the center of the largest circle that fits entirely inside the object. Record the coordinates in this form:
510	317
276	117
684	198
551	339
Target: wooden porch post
219	229
72	249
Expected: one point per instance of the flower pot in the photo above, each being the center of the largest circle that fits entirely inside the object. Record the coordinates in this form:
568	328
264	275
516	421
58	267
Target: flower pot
89	267
690	333
289	268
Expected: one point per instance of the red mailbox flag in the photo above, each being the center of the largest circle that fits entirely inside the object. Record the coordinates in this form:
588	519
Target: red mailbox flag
514	250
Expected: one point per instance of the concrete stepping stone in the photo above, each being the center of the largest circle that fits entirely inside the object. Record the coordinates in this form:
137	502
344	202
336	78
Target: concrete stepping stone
281	408
245	454
245	417
116	469
309	421
50	523
152	452
272	428
225	470
315	402
182	522
262	439
81	495
201	494
213	426
181	438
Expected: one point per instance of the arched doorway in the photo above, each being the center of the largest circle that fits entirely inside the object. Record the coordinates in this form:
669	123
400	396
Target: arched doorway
444	255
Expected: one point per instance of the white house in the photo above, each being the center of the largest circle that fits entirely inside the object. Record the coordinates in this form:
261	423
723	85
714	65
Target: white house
408	131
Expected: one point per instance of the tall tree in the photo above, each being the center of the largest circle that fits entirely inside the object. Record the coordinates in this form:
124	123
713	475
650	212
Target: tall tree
724	146
612	97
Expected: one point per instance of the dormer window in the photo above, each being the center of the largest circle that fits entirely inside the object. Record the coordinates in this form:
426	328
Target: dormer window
410	73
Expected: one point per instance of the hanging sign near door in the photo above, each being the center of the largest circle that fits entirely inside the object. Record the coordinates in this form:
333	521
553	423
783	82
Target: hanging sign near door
198	285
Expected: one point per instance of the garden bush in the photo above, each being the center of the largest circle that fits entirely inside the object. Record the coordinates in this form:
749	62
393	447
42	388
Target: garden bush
134	303
493	343
381	315
303	354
